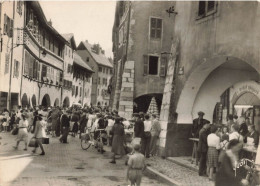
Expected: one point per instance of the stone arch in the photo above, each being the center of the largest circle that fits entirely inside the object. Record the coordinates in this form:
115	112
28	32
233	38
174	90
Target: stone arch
66	102
46	101
33	101
141	103
213	71
56	102
24	101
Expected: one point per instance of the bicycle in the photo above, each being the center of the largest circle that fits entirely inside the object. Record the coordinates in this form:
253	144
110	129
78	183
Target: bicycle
88	139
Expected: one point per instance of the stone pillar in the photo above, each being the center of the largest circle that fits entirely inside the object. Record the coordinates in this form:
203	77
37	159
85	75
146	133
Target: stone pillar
127	91
167	93
117	87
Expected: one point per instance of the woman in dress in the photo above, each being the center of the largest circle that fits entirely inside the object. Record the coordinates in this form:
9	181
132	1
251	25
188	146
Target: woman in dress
118	140
22	132
39	134
213	146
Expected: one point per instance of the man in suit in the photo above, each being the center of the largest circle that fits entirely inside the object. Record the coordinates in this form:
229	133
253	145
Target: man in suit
139	126
203	148
65	125
198	123
252	134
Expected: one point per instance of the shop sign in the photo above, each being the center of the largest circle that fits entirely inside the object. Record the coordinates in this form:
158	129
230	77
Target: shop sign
247	88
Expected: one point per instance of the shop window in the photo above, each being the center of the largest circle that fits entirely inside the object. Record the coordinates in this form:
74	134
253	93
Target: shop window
155	28
206	8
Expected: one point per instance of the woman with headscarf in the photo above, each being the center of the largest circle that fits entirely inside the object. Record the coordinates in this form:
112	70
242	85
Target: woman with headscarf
22	132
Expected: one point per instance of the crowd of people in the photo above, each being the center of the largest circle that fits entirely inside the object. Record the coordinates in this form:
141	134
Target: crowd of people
219	147
59	122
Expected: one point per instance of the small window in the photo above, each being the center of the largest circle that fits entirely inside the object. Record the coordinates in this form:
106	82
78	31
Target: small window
155	28
87	59
153	65
100	69
206	8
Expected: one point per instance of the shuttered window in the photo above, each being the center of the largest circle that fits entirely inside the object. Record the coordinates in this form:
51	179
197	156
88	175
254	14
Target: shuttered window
211	5
16	68
35	69
39	71
44	71
6	63
163	66
26	63
202	8
155	28
31	69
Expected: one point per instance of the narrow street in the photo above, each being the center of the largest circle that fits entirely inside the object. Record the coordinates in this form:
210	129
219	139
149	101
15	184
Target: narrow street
63	164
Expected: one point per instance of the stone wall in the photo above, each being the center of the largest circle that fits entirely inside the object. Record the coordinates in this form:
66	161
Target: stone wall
127	91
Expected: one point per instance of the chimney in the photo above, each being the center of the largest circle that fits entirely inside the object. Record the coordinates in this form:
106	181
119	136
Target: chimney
50	22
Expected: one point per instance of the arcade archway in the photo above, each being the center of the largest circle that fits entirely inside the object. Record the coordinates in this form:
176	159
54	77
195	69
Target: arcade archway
46	101
56	102
24	100
34	101
207	83
141	103
66	102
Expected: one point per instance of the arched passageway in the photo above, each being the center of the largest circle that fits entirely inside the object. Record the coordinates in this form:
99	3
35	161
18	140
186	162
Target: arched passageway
141	103
46	101
207	83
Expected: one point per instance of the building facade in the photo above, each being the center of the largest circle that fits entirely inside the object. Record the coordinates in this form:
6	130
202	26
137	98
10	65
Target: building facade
141	35
215	52
95	57
38	66
12	20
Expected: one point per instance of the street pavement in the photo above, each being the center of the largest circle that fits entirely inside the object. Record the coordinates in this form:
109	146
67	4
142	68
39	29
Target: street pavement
63	164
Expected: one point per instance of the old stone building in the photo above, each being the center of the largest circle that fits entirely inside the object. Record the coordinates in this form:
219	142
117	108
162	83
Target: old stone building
95	57
77	76
215	68
141	35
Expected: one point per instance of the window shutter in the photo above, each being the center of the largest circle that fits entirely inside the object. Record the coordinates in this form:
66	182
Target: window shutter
6	63
5	24
211	5
26	64
145	65
202	8
35	65
44	70
11	26
163	66
39	71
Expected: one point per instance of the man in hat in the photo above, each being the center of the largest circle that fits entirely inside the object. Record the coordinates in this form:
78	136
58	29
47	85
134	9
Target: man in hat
65	125
198	123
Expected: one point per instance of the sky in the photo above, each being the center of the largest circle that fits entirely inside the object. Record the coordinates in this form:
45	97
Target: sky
87	20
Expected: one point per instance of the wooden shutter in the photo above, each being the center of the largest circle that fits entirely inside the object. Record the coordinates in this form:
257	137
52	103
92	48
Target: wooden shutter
5	24
6	63
26	63
11	26
39	71
163	66
146	65
44	70
31	70
35	68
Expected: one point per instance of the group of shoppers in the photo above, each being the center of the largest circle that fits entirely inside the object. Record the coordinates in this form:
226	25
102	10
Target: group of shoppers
218	147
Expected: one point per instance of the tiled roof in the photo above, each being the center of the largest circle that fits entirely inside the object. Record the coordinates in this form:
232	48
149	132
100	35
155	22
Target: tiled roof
79	61
99	58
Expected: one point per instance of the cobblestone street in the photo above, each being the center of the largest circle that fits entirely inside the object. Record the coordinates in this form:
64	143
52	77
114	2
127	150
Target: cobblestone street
63	164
